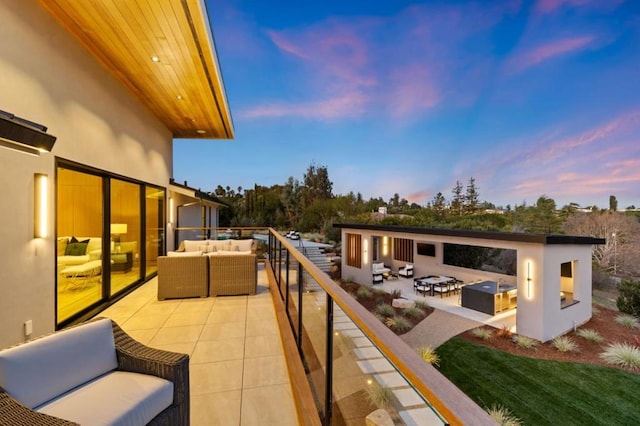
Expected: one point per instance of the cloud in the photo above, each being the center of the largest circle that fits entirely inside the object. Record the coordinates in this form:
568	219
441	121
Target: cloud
551	6
420	197
400	66
349	105
595	162
544	52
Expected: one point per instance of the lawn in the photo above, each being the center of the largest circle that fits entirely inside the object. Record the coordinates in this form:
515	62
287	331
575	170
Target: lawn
542	392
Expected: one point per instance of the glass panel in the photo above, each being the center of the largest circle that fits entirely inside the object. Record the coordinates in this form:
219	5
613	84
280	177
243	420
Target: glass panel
364	380
125	234
154	212
314	338
79	217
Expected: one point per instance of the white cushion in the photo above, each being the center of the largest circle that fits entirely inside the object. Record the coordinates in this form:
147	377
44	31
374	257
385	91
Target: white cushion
184	253
193	245
229	253
91	268
118	398
244	245
219	244
38	371
73	260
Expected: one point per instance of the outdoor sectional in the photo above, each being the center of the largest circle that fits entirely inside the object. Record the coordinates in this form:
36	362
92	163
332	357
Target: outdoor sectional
208	268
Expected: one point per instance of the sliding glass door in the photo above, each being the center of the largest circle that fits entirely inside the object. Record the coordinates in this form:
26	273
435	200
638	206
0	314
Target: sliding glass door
110	232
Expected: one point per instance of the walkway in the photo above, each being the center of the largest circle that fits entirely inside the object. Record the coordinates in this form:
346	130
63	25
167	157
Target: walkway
238	373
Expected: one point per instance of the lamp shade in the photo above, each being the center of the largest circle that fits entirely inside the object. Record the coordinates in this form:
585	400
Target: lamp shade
118	228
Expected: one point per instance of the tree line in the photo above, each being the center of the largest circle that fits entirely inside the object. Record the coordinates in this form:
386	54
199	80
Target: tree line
309	205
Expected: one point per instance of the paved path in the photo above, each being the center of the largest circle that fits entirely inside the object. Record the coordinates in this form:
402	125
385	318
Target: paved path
437	328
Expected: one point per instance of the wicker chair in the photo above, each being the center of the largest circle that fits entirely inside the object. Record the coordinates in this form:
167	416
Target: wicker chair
132	356
183	276
231	275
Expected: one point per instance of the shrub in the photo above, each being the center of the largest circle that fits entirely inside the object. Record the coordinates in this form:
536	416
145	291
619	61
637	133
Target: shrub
379	396
482	333
422	304
525	342
564	344
385	310
428	354
504	332
590	335
627	321
363	292
628	300
622	354
379	291
414	312
398	323
396	294
503	416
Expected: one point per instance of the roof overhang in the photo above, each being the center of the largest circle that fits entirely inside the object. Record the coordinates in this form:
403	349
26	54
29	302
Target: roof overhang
162	51
487	235
196	194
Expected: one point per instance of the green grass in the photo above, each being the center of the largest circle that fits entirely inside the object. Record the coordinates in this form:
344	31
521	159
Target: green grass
542	392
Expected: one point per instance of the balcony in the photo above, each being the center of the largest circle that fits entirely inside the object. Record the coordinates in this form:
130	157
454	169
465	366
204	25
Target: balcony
301	351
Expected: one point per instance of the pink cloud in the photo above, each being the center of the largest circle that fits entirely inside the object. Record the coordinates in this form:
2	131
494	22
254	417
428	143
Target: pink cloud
412	91
327	109
421	197
548	51
550	6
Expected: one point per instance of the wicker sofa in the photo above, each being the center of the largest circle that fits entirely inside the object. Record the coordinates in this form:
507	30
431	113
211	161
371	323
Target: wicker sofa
93	373
195	274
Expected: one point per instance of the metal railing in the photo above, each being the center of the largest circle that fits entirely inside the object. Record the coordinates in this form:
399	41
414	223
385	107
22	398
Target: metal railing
352	362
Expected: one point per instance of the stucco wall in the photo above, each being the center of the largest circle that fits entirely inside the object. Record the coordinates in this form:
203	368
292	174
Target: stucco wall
47	77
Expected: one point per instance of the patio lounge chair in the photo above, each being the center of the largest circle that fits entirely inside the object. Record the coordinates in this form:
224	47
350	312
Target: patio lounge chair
406	271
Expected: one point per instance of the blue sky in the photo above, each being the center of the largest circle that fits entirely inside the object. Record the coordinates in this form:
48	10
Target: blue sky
530	98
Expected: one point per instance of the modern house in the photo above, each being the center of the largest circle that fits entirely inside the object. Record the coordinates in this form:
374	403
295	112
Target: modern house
93	96
549	274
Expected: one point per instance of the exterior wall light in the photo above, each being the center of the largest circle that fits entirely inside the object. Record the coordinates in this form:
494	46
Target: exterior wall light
40	192
385	246
365	251
529	280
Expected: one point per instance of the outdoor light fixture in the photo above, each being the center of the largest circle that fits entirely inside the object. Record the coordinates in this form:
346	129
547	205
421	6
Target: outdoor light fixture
118	229
25	134
171	206
365	251
40	193
529	280
385	246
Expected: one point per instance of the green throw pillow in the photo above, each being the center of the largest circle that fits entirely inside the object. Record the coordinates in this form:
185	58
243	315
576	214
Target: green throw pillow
76	248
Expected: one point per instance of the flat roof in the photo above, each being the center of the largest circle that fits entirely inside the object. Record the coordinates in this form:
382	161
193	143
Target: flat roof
487	235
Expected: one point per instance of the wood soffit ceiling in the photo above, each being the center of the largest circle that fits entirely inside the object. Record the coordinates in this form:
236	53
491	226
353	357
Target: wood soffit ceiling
184	89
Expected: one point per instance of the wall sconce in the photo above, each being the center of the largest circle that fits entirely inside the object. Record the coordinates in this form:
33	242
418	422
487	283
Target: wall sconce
40	204
365	251
118	229
171	207
385	246
529	280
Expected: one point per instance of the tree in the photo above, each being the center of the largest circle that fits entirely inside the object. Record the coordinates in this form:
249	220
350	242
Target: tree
471	197
622	239
439	204
316	184
613	203
457	201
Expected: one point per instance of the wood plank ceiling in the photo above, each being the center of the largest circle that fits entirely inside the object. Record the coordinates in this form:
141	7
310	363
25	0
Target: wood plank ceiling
161	50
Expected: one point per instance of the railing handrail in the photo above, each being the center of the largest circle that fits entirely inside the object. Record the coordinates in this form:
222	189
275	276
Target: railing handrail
454	405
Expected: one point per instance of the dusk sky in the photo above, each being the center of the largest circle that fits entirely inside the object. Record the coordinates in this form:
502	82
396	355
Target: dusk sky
530	98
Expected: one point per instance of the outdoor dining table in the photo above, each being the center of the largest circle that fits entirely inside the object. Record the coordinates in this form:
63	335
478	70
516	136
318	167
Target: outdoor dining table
425	284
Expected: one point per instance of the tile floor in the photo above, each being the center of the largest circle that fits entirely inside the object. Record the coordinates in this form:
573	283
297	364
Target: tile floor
238	370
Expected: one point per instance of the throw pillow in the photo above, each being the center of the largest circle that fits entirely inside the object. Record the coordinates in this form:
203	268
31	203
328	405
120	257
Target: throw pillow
62	246
76	249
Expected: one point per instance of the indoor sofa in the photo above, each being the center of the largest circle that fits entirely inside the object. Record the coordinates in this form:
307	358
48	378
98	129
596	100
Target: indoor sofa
92	374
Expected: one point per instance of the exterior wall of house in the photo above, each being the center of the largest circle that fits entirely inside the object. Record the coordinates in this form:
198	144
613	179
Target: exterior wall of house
539	314
48	78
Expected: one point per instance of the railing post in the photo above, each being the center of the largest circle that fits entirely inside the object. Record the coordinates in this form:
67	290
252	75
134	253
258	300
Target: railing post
299	336
286	288
329	374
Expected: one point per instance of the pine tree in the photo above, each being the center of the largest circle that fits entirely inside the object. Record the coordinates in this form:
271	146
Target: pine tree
456	202
471	197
